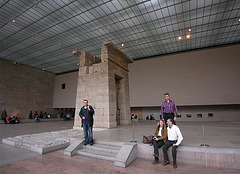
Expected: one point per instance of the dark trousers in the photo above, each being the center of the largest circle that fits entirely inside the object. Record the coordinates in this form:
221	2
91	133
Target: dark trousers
174	151
88	135
166	116
156	145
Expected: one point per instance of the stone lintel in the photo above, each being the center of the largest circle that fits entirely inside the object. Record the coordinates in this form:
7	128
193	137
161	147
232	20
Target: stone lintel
118	53
114	62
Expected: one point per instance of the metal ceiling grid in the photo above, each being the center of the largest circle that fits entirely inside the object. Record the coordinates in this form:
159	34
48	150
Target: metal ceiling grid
43	33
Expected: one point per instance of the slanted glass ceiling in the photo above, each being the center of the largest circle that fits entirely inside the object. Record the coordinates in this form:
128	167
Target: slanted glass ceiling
43	33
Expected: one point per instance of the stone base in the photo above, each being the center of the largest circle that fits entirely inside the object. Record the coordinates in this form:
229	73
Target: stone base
74	147
202	156
94	129
44	142
126	155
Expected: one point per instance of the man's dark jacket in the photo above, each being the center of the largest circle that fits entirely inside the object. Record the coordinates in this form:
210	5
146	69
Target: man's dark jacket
89	114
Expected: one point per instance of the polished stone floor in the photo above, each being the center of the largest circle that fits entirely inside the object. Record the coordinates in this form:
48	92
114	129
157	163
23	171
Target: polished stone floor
56	162
216	134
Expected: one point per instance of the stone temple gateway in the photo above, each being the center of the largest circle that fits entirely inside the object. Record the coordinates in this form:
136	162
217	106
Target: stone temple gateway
105	84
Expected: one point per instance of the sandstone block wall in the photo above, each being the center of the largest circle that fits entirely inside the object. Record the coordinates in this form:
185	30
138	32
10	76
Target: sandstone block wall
23	88
97	84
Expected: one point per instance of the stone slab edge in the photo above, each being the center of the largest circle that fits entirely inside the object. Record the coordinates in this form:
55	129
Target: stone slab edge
126	155
34	148
74	147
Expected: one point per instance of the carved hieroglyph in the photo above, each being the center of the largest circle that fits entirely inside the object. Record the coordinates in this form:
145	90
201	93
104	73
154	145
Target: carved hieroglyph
104	83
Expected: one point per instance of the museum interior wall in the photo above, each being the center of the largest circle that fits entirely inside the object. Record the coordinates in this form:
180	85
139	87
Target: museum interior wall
203	82
24	89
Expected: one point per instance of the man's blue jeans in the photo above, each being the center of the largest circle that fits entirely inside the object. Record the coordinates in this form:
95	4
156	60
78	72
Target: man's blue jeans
88	135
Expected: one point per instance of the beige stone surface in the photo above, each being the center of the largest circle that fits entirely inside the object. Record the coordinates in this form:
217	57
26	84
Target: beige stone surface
24	89
97	82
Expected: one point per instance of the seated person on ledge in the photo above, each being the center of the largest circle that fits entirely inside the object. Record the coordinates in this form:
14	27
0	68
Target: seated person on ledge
160	137
37	119
174	139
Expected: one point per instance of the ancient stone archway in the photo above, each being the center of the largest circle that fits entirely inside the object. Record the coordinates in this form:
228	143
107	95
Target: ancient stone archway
105	84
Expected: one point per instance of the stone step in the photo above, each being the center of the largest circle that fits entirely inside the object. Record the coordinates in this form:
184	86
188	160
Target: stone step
108	143
110	156
104	148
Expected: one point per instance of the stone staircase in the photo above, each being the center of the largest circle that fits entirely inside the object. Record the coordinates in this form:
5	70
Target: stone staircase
101	150
120	153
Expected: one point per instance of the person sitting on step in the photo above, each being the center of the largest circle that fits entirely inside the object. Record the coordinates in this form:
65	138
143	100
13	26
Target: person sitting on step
159	139
174	139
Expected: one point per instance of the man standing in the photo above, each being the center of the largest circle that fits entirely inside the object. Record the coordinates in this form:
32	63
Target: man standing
169	109
86	113
174	139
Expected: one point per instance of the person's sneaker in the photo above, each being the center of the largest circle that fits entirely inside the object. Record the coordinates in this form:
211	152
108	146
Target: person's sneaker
175	166
91	144
166	163
155	162
85	144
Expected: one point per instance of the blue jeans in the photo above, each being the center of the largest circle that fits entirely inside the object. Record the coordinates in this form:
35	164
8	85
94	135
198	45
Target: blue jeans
37	119
88	135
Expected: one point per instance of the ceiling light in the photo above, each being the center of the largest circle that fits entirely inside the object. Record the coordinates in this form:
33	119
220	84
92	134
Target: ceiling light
188	36
239	19
179	37
13	20
190	29
122	44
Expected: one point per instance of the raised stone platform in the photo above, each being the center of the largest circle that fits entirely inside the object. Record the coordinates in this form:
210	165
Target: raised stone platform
222	152
123	154
44	142
202	156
